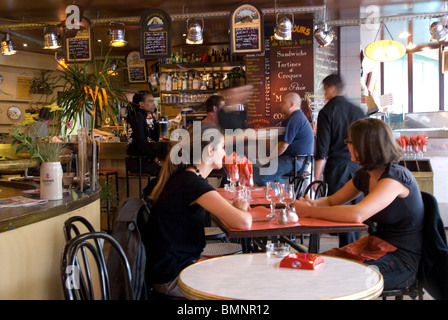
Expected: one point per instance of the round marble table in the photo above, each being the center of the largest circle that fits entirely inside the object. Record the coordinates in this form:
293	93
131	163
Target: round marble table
258	277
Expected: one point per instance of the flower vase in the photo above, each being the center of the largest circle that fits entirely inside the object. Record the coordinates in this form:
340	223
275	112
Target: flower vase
51	181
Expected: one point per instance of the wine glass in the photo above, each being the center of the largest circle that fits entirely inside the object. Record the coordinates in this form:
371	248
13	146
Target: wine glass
287	195
272	194
233	177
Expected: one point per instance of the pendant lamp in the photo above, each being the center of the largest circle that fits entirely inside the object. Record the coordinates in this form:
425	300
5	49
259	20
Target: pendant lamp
385	50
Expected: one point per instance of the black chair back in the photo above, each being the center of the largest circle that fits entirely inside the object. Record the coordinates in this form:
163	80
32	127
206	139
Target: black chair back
82	263
321	189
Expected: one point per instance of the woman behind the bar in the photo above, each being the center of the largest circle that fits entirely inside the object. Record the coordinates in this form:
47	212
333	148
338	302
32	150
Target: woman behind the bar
174	235
143	128
392	200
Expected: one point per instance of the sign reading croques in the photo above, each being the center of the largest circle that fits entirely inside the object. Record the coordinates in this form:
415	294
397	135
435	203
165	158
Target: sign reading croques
246	29
155	34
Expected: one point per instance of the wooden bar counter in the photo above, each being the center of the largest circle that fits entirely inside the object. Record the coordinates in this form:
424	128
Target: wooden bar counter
31	243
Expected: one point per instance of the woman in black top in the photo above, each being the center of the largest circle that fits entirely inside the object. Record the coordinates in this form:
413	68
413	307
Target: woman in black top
174	235
392	200
143	128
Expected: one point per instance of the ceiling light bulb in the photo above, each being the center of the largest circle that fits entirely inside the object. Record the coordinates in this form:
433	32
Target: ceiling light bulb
438	31
323	36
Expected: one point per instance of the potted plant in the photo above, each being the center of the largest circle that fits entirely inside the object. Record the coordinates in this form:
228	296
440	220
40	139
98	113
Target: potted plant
89	92
46	149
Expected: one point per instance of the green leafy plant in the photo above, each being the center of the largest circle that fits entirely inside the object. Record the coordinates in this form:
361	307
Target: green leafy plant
26	137
45	83
89	90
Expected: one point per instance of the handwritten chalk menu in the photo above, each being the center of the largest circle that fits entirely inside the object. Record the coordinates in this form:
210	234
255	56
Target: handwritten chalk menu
291	66
256	106
136	67
326	62
155	34
247	29
79	48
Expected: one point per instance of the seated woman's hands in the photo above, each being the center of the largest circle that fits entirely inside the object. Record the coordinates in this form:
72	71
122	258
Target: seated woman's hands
302	203
241	204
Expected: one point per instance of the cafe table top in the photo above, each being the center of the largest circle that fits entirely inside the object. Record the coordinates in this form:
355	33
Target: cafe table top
259	277
265	227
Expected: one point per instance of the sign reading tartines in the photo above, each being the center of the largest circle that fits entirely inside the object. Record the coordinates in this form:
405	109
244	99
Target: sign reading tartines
79	48
155	34
136	68
246	29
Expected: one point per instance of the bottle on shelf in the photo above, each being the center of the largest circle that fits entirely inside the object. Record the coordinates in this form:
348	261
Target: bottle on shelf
226	81
196	82
169	82
210	82
174	82
190	82
217	80
185	82
162	82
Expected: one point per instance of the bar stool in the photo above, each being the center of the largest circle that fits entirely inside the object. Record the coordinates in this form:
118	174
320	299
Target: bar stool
107	174
138	174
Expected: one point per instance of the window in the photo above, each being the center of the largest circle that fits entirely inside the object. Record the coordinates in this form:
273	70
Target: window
396	82
426	80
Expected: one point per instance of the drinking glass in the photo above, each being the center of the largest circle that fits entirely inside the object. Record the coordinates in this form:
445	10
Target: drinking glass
272	194
233	177
287	195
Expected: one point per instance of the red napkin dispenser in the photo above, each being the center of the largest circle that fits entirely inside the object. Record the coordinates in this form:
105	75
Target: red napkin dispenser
307	261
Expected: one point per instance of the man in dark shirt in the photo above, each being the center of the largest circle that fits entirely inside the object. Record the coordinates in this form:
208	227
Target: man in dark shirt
298	140
332	158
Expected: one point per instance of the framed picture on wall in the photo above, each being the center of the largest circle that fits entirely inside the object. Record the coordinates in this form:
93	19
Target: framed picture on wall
445	61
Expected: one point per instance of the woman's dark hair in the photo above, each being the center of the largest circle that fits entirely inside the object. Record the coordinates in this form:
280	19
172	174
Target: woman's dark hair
170	168
44	114
140	97
134	105
374	143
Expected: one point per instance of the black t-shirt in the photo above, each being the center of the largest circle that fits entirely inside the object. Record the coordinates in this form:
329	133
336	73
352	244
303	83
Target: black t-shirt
401	222
333	123
176	227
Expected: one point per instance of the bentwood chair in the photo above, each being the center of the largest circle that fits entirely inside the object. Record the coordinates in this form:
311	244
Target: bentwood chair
72	227
84	273
321	189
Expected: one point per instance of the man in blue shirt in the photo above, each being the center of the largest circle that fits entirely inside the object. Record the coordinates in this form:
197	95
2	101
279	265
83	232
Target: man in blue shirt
298	140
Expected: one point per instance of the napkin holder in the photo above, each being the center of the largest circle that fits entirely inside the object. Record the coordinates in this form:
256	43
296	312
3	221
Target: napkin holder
306	261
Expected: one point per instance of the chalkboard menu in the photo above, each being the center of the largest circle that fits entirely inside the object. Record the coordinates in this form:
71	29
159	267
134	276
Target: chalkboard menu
155	34
326	62
136	68
286	66
79	48
246	29
291	63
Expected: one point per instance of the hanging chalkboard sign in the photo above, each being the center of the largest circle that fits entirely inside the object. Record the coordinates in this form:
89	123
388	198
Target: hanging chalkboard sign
136	67
79	48
155	34
246	29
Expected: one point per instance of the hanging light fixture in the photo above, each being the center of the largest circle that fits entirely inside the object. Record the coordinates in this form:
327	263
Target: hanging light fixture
323	35
438	31
117	37
7	46
385	50
113	70
283	28
194	32
51	39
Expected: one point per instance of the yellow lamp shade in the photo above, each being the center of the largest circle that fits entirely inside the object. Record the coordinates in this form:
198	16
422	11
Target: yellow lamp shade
385	50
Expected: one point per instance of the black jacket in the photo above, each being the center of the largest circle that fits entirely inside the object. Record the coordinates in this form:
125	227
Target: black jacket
138	142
